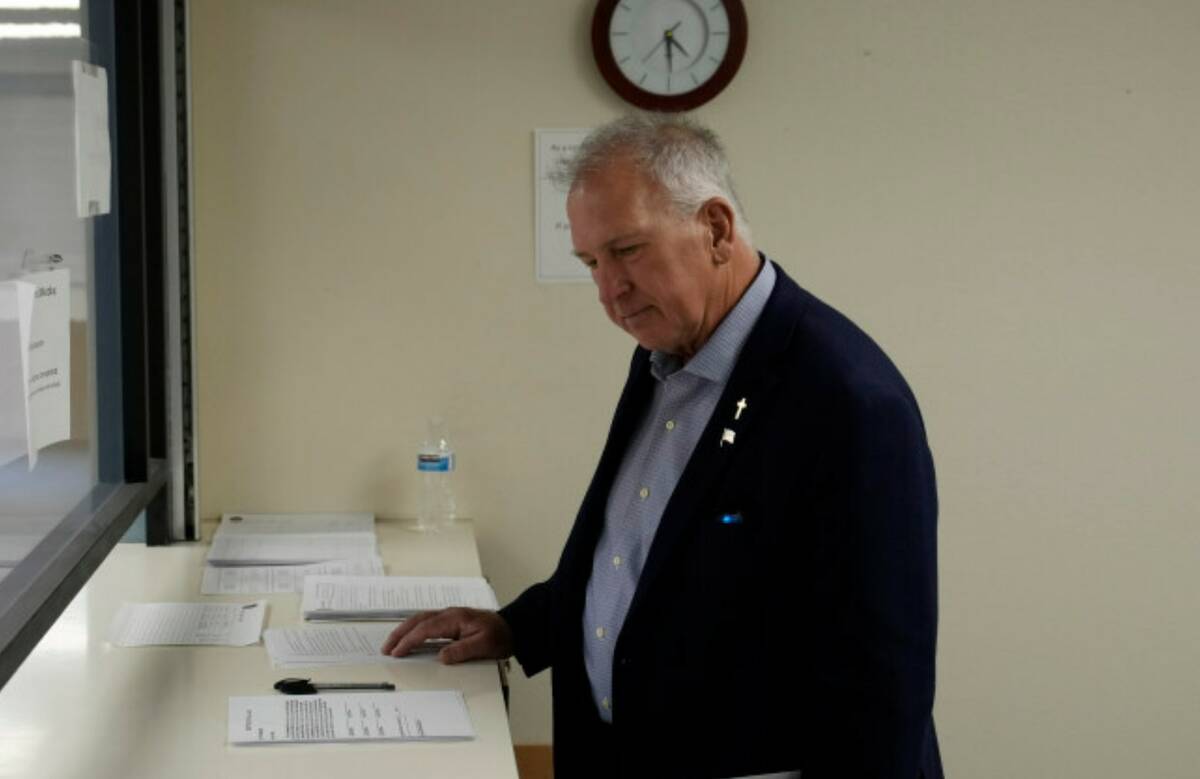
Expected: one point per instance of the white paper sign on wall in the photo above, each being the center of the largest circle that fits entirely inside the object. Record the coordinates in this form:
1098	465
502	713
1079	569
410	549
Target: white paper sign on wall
555	261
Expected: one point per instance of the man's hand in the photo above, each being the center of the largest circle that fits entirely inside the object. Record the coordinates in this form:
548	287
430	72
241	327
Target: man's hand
476	634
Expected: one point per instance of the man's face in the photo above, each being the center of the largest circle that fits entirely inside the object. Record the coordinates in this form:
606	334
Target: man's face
654	270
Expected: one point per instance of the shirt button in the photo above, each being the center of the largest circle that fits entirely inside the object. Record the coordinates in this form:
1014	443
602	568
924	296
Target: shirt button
599	632
670	424
644	492
617	561
605	704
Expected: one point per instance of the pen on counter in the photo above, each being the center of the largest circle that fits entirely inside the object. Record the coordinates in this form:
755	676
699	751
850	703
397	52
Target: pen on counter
308	687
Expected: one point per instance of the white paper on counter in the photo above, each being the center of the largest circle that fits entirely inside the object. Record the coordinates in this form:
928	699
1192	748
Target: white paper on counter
290	549
412	715
93	153
268	579
391	597
290	524
153	624
345	644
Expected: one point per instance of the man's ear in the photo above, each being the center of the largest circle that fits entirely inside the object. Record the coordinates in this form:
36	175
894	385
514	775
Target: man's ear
718	218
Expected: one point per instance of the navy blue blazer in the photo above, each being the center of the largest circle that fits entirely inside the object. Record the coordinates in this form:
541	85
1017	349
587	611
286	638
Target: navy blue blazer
786	615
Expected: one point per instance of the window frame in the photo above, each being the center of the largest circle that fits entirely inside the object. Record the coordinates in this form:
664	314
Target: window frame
128	314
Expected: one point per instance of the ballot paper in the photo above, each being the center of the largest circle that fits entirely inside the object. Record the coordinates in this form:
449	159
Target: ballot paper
412	715
224	624
324	645
391	597
292	539
266	579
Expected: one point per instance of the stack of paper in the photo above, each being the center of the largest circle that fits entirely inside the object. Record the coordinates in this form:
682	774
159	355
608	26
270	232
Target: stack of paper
326	645
391	597
292	539
266	579
416	715
151	624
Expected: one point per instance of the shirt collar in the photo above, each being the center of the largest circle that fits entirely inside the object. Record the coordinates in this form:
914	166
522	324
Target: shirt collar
715	360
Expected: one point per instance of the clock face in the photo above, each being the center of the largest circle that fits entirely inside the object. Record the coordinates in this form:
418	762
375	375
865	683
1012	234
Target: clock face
669	54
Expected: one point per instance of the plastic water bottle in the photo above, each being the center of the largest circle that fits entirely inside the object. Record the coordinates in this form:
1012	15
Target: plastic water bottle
435	463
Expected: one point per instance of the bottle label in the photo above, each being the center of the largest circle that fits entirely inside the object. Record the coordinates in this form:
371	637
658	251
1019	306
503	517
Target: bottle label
435	462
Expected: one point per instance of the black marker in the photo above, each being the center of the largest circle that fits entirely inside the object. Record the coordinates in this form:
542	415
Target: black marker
308	687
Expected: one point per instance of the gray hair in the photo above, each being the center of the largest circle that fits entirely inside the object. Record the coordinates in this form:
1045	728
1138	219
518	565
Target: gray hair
678	152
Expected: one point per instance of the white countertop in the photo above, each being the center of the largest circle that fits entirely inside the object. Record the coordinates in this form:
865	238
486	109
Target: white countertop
80	707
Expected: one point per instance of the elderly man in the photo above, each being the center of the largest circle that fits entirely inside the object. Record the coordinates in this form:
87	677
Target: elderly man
750	584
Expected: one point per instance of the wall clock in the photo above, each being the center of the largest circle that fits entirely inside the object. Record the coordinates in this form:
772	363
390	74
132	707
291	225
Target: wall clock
669	55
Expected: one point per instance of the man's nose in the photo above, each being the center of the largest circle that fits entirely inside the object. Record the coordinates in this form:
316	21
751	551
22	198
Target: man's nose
611	282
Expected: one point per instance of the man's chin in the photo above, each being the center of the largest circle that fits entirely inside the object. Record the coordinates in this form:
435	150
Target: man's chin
648	342
640	327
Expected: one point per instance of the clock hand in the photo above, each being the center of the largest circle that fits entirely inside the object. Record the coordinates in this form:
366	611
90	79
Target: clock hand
664	40
670	36
650	53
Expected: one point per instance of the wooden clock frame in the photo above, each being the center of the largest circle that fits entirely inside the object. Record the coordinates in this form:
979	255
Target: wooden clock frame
685	101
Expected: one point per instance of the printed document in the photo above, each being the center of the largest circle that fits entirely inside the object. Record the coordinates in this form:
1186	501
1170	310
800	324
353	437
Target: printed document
152	624
415	715
35	356
324	645
270	524
292	539
391	597
266	579
297	549
93	152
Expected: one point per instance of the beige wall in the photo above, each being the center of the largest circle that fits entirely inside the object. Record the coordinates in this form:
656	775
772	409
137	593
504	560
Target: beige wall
1004	194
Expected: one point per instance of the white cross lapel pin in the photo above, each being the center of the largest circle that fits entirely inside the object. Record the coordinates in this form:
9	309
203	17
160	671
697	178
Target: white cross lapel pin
741	406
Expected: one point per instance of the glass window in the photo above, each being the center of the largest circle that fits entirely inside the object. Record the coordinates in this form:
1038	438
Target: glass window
82	384
42	233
